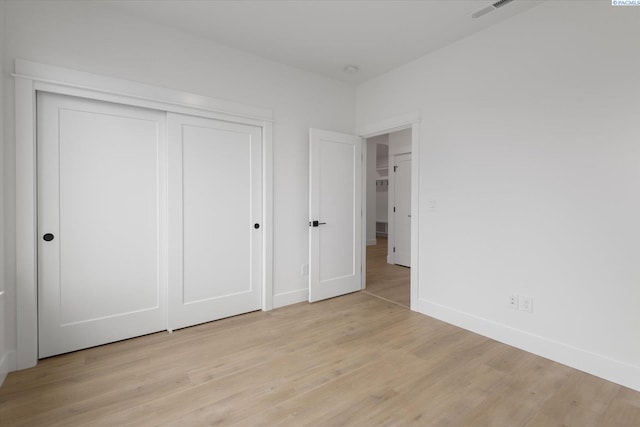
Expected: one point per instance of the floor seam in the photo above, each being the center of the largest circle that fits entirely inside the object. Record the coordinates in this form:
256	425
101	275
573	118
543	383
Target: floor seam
385	299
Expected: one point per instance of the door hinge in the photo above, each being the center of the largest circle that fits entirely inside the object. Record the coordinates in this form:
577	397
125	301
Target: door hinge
395	168
394	208
394	249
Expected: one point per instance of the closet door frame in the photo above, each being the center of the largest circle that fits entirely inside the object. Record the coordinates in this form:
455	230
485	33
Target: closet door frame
30	78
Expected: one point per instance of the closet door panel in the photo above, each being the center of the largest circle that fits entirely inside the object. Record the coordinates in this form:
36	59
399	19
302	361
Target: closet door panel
215	199
217	213
101	222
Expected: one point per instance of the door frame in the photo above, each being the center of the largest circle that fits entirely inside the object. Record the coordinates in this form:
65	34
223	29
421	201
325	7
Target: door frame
408	121
31	77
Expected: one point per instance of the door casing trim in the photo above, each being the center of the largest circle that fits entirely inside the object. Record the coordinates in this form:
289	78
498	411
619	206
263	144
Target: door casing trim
407	121
31	77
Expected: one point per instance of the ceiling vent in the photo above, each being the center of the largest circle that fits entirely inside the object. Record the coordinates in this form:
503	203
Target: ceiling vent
501	3
490	8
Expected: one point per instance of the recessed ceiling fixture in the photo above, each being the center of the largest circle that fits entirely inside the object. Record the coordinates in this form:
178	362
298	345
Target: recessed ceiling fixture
350	69
490	8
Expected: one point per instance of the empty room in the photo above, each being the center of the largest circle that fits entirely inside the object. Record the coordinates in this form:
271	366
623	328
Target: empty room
302	213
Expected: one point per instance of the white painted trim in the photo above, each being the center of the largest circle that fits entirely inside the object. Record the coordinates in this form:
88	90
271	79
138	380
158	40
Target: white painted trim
4	358
79	80
7	364
98	95
291	297
415	213
363	214
26	260
3	320
267	215
592	363
372	242
407	121
31	77
393	124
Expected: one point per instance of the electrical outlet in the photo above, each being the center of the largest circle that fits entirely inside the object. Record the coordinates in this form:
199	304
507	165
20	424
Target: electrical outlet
525	303
304	270
513	301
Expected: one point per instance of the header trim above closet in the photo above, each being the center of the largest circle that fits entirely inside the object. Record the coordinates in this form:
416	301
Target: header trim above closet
77	83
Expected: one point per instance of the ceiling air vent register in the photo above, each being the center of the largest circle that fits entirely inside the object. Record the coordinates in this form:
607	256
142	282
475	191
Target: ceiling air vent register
490	8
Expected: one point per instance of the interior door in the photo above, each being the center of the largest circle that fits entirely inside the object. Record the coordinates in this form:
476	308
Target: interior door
215	219
402	214
101	222
335	214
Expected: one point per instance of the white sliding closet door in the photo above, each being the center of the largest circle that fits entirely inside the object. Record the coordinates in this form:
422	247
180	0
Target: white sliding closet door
101	222
215	219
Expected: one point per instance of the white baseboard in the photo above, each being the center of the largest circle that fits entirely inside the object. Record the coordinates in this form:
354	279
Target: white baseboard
7	364
592	363
372	242
292	297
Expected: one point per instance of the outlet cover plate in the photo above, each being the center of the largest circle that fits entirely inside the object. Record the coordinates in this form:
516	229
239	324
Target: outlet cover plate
513	301
525	303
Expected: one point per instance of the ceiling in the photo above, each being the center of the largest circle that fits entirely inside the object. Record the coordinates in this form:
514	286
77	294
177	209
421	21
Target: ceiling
325	36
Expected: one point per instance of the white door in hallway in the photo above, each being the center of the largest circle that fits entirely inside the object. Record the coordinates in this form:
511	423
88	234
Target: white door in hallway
215	219
335	214
101	222
402	205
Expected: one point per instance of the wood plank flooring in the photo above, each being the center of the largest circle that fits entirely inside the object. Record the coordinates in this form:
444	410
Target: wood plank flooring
387	281
354	360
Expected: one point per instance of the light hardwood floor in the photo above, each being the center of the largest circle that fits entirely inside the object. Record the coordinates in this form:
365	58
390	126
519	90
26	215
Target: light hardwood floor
387	280
354	360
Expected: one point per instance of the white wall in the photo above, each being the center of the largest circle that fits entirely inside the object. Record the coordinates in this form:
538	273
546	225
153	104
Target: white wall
4	359
399	143
91	38
530	147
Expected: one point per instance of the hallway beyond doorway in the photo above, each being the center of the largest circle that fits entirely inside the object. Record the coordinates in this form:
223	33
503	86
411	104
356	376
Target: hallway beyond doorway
387	281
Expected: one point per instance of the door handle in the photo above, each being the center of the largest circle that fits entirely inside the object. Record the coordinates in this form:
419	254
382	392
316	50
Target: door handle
316	223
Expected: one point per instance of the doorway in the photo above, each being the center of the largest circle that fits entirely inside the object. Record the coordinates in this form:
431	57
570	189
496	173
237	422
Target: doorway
388	216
